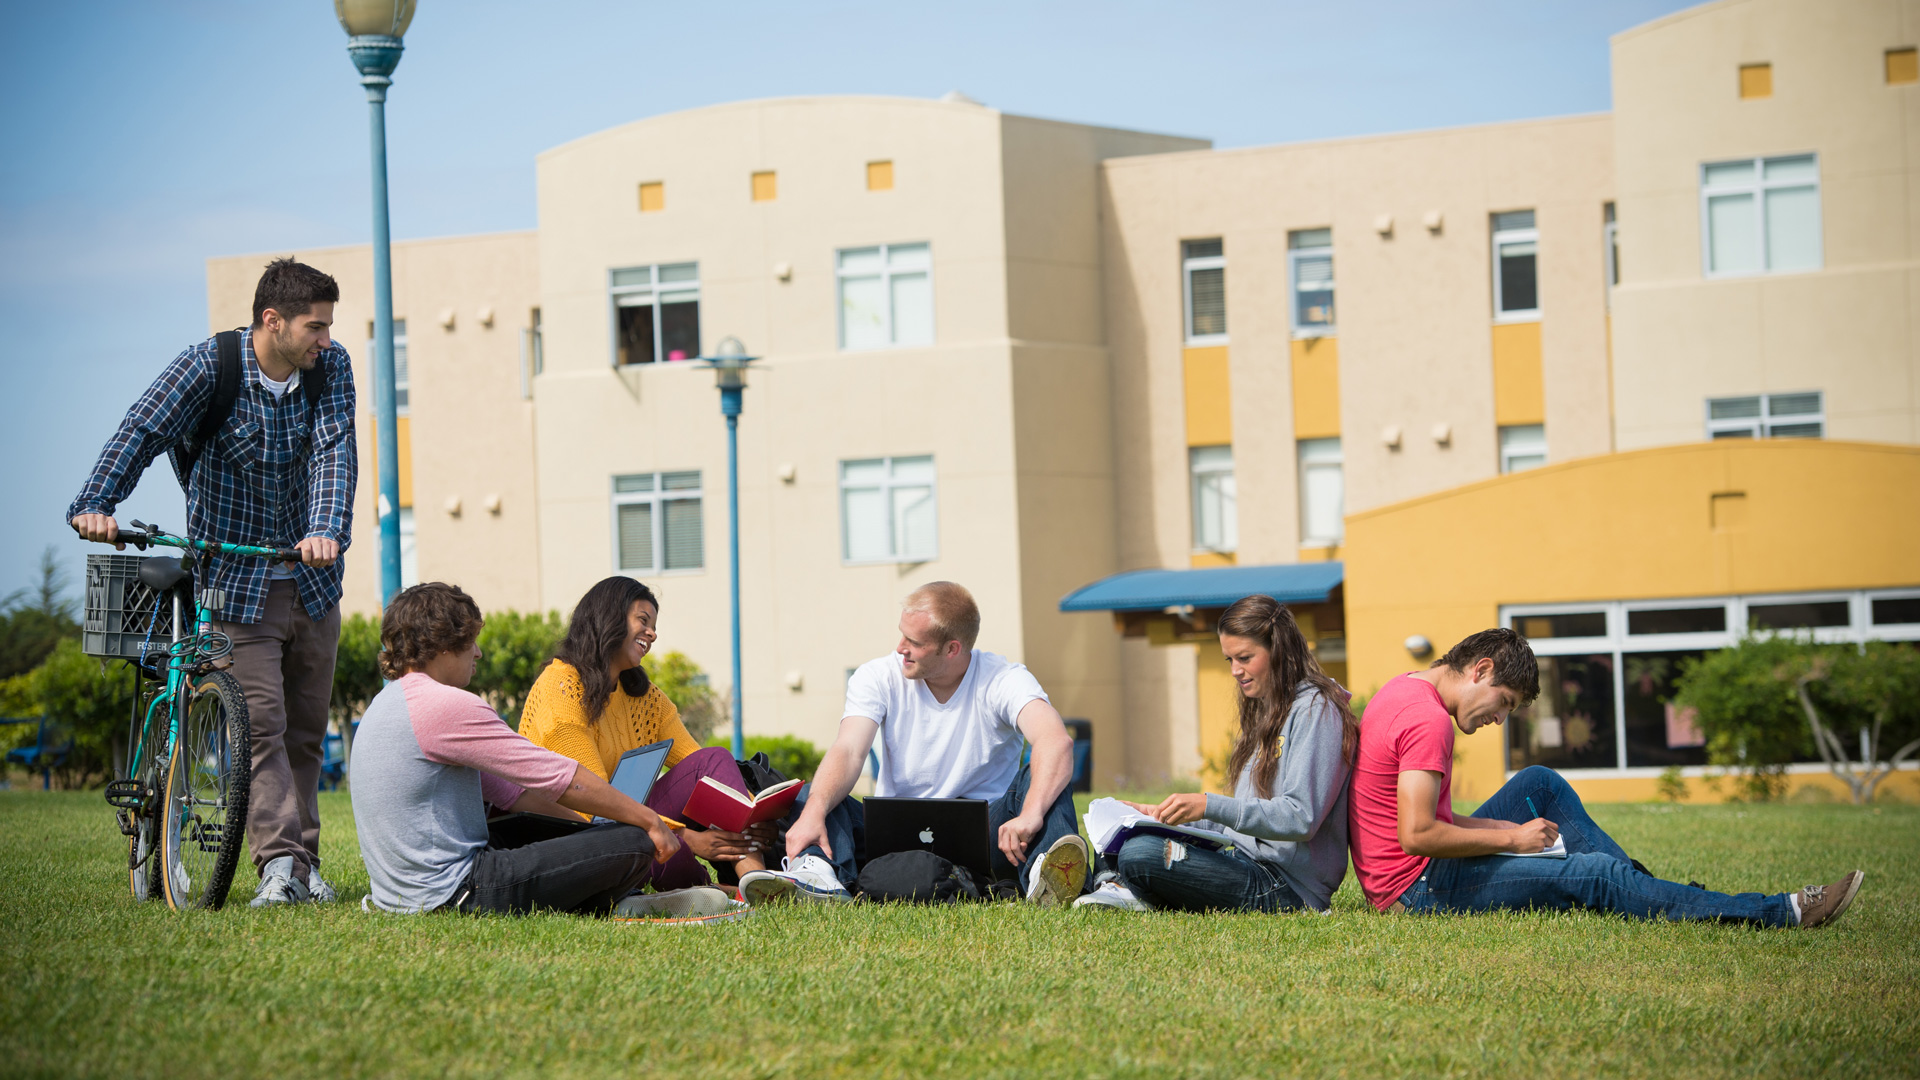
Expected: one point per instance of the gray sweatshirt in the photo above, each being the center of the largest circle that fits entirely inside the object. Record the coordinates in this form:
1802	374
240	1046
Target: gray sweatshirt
1301	832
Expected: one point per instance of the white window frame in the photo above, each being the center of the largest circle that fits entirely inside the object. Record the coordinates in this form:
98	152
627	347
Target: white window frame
1609	251
658	520
885	487
653	289
840	275
1761	426
402	369
1294	255
1187	267
1758	188
1508	453
1195	471
1321	463
1515	236
1860	629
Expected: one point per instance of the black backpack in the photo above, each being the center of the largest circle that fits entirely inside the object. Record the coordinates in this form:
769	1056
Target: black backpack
226	390
918	877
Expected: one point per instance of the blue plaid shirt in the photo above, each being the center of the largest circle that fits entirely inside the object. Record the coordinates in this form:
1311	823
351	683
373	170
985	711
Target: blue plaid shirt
273	475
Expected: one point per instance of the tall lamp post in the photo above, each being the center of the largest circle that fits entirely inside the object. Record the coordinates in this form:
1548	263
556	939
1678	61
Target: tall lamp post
374	29
729	364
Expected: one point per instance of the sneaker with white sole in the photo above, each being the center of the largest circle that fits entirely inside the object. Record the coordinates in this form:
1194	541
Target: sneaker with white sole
278	885
318	890
1061	873
808	877
1112	892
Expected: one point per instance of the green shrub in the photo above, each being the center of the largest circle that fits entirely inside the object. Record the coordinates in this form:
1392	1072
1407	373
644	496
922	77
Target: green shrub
88	699
791	754
356	668
702	709
514	649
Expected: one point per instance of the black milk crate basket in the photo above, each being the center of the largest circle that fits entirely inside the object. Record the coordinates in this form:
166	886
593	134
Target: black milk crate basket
122	611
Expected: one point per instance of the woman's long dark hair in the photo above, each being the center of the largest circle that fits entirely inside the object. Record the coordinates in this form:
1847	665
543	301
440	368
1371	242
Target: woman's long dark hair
1265	621
598	630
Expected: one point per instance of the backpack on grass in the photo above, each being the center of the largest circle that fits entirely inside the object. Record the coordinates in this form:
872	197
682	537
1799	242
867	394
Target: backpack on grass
918	877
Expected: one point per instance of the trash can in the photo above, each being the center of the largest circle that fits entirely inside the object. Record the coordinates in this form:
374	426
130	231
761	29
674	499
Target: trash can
1082	732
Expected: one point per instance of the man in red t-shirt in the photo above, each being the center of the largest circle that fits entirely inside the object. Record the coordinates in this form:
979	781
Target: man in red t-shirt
1412	853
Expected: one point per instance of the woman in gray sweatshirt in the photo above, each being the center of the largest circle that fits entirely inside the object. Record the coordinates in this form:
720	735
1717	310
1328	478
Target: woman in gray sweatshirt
1287	817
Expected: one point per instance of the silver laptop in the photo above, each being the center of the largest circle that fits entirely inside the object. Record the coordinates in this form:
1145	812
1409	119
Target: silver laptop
637	771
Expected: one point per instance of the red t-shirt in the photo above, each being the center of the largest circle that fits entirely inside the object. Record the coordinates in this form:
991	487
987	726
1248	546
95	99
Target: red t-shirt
1405	729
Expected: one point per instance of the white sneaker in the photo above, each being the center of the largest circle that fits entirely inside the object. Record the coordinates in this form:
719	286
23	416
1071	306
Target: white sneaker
1113	893
278	885
1061	873
808	877
318	890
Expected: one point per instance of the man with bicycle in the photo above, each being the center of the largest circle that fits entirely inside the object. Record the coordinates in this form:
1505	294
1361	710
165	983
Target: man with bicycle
278	470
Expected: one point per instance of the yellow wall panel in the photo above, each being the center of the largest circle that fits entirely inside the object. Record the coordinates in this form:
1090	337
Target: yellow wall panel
879	176
1793	516
1519	393
403	428
1219	710
1756	80
653	197
1201	560
1903	67
1316	388
1209	396
765	187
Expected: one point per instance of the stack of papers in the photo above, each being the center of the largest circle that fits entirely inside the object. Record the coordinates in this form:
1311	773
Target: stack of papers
1110	822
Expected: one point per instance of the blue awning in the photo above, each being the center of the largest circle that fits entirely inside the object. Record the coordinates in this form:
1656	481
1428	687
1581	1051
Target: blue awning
1213	587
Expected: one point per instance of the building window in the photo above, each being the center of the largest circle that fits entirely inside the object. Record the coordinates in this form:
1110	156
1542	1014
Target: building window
1610	249
532	354
1310	266
657	522
1768	416
886	296
1903	67
879	176
656	313
1323	494
1761	215
888	510
1516	275
1756	81
765	186
1204	284
1608	670
653	197
400	381
1216	520
1523	446
409	550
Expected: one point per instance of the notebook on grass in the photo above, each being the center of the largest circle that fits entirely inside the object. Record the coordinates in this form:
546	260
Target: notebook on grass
1110	822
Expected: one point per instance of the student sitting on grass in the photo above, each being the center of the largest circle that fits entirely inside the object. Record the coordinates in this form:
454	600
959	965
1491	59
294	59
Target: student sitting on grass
952	718
1412	853
1287	817
431	757
594	703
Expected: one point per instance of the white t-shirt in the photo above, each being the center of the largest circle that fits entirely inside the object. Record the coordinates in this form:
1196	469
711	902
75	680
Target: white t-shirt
280	571
968	748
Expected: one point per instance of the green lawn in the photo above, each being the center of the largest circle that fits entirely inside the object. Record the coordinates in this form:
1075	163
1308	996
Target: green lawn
92	985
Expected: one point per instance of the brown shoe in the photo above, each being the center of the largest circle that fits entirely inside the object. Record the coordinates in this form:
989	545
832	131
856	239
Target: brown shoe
1821	904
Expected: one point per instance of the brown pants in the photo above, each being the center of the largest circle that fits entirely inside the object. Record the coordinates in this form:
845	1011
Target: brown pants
285	664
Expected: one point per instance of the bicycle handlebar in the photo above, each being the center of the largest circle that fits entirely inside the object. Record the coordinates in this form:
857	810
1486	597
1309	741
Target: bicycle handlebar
142	536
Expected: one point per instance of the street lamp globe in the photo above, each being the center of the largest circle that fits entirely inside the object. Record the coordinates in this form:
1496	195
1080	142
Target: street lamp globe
374	29
730	362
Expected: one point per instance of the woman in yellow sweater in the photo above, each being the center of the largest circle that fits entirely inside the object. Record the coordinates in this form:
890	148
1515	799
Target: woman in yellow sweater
594	703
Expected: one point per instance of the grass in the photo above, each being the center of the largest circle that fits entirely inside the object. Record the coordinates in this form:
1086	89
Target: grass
91	985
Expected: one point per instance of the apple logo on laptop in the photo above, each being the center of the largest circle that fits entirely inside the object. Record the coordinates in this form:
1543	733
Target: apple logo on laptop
926	836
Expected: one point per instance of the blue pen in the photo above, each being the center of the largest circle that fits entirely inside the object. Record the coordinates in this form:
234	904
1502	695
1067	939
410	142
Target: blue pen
1536	813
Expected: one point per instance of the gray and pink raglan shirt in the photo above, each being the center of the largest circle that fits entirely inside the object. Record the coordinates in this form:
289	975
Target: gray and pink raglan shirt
428	761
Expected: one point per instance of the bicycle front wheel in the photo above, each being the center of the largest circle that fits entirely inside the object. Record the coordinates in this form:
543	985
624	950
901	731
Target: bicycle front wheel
149	740
205	818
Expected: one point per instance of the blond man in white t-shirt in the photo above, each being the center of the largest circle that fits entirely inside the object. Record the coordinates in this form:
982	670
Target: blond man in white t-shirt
951	719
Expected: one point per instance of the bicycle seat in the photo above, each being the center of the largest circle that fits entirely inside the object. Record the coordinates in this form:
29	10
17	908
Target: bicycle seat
162	573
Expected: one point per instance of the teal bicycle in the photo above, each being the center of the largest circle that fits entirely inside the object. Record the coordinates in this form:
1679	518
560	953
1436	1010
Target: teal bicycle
182	801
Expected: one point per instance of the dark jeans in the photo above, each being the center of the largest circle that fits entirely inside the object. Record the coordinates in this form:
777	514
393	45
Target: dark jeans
1595	874
1186	877
586	872
847	832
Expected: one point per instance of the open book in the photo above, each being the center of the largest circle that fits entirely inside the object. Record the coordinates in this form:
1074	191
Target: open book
718	806
1557	851
1110	822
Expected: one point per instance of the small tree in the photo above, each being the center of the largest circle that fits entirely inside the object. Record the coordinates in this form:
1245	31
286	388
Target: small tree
1745	705
90	701
514	648
702	709
35	619
1862	698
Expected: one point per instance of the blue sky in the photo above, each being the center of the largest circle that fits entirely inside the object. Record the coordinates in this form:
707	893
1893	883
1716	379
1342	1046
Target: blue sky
141	138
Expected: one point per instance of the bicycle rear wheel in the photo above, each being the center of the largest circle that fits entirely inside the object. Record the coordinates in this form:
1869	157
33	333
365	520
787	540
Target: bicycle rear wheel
204	822
143	866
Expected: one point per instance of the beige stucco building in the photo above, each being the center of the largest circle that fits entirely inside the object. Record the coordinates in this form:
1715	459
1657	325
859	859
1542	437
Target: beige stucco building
1029	355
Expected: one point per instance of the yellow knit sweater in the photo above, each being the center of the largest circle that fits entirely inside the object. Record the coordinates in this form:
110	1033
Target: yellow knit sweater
556	718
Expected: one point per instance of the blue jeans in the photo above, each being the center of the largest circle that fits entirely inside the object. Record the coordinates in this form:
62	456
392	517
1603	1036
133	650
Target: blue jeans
1201	879
1596	874
847	830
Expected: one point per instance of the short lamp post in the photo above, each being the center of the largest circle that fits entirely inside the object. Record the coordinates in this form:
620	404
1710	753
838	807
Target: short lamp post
374	29
729	364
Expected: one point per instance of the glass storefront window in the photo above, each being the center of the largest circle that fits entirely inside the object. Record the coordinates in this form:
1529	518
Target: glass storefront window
1568	624
1570	725
1659	733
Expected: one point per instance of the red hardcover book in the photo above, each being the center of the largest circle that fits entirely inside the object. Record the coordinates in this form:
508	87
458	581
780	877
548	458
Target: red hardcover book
718	806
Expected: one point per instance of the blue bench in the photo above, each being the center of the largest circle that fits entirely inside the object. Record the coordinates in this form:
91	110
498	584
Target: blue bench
49	750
